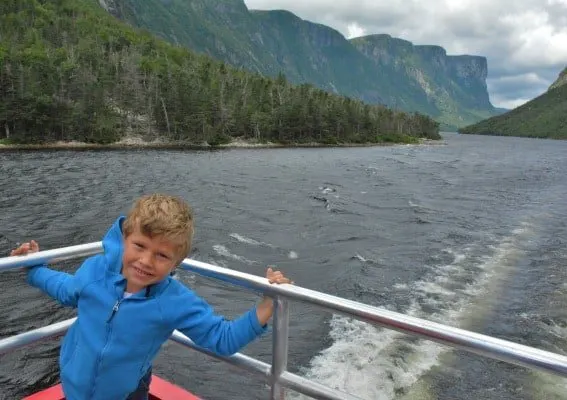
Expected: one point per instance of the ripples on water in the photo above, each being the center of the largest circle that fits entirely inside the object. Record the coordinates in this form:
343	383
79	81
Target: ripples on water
470	234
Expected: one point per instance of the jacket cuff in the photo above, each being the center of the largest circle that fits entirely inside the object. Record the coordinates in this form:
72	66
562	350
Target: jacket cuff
253	317
32	271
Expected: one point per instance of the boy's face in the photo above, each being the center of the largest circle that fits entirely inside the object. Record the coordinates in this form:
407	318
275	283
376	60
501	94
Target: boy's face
147	260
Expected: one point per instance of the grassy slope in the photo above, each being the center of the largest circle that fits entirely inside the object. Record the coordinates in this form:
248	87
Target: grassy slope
543	117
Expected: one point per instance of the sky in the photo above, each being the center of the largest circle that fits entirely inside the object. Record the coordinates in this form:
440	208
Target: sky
524	41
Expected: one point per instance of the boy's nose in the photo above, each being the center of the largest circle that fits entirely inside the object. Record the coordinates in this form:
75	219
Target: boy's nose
146	259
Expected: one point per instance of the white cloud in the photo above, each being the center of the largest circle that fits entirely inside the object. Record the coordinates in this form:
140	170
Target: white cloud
354	30
509	104
514	90
521	40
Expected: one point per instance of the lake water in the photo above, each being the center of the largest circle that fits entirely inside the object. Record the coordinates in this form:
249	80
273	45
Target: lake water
471	233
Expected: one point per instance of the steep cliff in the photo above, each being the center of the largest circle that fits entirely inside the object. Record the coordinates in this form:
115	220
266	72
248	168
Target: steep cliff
312	53
453	86
375	69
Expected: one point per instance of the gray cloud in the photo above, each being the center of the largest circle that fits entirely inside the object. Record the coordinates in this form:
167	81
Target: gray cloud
524	41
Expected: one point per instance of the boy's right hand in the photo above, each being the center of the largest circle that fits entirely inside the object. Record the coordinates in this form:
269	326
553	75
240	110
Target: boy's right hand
25	249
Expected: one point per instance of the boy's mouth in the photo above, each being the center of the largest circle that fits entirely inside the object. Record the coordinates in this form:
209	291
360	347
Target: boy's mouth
141	272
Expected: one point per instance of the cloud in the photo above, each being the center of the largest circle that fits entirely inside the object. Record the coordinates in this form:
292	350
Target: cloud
355	30
524	41
510	91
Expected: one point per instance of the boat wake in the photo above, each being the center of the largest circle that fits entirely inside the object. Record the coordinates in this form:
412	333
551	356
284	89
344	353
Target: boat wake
380	364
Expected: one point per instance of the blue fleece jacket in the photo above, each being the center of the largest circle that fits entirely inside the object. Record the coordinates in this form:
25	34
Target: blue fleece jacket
112	343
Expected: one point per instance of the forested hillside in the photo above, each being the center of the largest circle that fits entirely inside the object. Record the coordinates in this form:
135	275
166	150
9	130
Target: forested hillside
70	71
543	117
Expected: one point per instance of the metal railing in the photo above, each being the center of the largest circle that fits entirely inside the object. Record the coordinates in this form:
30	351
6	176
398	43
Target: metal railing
276	374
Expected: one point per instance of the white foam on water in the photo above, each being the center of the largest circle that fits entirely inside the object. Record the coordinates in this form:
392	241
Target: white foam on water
247	240
219	263
243	239
326	190
364	259
376	363
224	252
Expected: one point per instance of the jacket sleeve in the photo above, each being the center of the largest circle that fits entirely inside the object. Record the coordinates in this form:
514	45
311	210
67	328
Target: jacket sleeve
61	286
196	319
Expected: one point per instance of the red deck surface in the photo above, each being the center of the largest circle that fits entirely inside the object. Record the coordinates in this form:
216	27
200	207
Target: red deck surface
159	390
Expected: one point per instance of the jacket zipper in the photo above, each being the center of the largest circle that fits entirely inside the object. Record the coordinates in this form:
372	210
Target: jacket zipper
108	332
114	309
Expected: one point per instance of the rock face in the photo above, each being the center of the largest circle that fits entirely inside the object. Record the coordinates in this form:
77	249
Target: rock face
561	80
454	87
375	69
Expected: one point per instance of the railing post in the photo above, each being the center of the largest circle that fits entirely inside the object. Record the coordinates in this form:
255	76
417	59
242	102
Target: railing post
279	346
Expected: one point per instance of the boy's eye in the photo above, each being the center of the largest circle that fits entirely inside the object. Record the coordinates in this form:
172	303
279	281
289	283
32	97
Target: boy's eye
138	245
163	256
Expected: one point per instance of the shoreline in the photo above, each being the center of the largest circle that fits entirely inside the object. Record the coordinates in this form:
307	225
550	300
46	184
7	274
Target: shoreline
236	144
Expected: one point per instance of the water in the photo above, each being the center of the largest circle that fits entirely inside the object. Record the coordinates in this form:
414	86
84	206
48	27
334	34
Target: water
471	234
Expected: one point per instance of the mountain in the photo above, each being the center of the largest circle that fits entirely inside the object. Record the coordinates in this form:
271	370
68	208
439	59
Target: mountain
543	117
69	71
453	87
561	80
375	69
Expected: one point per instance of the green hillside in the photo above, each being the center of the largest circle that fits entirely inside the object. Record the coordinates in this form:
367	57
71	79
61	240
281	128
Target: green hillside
543	117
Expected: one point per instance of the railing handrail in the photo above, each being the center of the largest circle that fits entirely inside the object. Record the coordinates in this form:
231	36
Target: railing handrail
484	345
292	381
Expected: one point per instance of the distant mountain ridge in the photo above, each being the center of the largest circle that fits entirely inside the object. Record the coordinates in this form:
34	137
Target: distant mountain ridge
454	87
375	69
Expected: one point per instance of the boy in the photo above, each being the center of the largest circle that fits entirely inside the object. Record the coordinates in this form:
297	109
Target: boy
128	304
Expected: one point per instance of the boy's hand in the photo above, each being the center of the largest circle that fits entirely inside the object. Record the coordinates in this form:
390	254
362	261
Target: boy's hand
276	276
265	308
25	249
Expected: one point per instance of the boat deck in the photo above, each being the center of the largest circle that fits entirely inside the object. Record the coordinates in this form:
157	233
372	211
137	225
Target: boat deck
160	389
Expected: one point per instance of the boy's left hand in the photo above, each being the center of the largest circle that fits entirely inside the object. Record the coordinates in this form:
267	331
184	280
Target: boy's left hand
276	277
265	308
25	249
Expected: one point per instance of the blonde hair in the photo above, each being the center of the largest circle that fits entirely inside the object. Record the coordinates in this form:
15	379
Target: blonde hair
162	216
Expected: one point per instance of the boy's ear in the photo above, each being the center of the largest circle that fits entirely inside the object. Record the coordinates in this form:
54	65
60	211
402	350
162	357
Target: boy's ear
183	257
